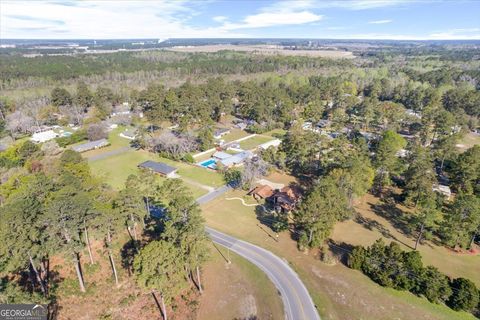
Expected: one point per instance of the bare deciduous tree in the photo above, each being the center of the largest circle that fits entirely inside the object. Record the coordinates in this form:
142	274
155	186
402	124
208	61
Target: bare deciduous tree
174	145
19	122
253	169
96	131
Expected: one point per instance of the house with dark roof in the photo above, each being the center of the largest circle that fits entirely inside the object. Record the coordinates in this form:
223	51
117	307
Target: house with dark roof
286	198
220	133
159	167
97	144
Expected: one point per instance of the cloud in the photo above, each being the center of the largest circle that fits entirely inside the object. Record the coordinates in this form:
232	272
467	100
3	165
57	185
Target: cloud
461	33
271	19
220	18
380	21
105	20
336	28
29	18
280	13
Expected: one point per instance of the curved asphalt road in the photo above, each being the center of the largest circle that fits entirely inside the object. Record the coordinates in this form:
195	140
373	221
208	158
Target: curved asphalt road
297	302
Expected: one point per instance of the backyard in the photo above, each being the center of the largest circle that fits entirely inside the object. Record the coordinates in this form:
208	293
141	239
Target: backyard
116	168
254	142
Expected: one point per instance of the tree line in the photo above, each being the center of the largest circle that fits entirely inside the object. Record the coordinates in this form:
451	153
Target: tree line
53	207
390	266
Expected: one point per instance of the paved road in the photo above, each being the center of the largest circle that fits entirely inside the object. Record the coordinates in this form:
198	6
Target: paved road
212	195
297	302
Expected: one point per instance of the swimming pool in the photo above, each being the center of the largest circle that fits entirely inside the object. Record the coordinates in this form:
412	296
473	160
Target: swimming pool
209	163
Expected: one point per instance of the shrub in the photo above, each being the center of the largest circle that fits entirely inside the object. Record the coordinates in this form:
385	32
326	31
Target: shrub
390	266
77	136
465	295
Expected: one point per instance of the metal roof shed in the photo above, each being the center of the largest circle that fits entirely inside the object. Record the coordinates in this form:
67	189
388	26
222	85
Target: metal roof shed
159	167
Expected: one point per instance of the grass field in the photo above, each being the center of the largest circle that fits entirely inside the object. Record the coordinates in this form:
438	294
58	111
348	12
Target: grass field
338	292
276	133
237	291
235	134
372	226
254	142
468	141
267	50
115	170
116	142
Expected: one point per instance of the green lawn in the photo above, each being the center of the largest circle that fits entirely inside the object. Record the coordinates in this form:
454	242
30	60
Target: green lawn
195	173
277	133
234	135
254	142
116	142
115	169
338	292
469	140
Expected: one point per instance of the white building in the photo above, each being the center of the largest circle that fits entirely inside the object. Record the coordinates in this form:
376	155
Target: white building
273	143
43	136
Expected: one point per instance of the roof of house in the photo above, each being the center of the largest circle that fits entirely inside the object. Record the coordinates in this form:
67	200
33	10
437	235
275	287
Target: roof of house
237	158
221	131
90	145
262	191
159	167
221	155
292	192
287	197
271	143
129	133
44	136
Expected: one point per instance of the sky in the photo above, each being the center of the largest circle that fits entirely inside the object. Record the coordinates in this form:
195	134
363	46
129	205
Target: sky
163	19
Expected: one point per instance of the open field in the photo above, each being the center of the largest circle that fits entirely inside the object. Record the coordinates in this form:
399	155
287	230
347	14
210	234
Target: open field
237	291
115	169
338	292
234	135
468	141
370	226
276	133
266	49
254	142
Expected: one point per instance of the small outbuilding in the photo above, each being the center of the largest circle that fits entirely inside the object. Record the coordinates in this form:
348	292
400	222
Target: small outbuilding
128	134
97	144
220	133
159	167
273	143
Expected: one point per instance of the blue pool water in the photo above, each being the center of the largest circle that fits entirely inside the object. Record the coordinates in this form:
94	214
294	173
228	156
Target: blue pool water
209	163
